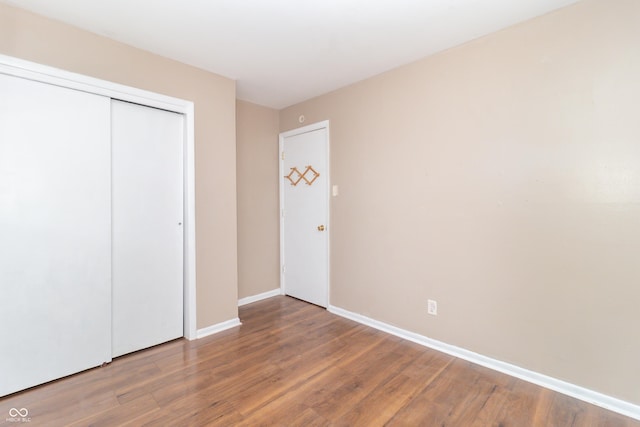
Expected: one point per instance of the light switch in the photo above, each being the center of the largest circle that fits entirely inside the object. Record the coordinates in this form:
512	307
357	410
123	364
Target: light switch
334	190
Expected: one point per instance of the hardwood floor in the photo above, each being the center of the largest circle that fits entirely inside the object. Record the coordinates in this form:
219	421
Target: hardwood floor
295	364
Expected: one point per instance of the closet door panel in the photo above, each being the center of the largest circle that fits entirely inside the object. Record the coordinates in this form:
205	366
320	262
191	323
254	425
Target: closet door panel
147	209
55	242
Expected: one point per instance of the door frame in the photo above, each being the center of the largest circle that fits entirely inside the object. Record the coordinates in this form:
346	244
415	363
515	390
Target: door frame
45	74
298	131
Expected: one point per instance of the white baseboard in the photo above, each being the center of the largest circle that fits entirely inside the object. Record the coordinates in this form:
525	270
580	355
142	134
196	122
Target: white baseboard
581	393
259	297
218	327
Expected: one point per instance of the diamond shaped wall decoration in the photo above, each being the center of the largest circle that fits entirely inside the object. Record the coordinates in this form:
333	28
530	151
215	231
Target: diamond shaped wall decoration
295	176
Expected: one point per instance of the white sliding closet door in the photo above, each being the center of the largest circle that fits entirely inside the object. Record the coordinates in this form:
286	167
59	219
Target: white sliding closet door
147	209
55	251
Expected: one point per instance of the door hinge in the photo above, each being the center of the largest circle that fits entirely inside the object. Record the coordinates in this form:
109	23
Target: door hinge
283	268
282	155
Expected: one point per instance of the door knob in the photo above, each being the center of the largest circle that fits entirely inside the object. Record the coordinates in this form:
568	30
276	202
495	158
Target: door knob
321	228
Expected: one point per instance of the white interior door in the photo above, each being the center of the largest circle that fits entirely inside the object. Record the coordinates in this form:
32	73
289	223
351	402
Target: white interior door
304	201
55	251
147	209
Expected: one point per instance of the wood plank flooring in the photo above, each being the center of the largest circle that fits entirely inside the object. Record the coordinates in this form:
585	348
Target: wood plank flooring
295	364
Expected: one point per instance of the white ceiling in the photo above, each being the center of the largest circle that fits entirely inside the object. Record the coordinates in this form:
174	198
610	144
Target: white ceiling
282	52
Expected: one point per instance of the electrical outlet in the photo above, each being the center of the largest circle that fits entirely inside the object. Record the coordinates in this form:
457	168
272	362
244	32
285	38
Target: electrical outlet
432	307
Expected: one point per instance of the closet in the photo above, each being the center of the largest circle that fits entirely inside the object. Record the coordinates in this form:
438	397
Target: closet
91	230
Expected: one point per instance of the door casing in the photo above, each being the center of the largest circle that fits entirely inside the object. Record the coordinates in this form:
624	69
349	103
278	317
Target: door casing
42	73
305	129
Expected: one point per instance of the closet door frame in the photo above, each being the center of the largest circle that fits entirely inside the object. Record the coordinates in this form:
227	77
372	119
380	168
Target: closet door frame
45	74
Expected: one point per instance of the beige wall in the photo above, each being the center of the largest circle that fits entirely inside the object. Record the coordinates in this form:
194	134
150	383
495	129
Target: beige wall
257	170
502	179
41	40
